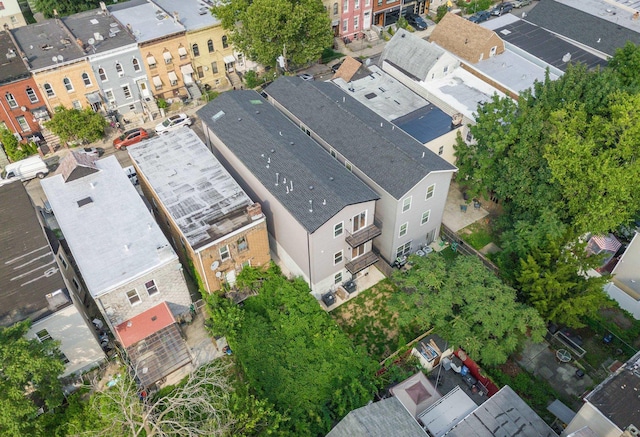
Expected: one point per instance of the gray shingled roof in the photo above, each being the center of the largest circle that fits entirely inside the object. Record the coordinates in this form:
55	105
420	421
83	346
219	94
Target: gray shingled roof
387	418
273	149
11	68
86	25
41	42
581	26
386	154
411	53
24	259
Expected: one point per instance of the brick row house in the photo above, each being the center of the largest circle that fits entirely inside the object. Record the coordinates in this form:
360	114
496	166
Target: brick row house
126	263
213	224
319	215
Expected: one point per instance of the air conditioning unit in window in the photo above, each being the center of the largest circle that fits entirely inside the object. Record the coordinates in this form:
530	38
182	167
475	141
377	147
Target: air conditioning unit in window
18	136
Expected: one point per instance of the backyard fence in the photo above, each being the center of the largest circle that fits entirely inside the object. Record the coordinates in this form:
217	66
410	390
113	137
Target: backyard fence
462	247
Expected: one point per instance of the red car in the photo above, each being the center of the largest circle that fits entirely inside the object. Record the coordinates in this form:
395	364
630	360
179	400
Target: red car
130	137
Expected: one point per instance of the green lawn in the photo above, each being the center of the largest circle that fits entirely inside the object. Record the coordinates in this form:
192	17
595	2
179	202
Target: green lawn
369	322
477	235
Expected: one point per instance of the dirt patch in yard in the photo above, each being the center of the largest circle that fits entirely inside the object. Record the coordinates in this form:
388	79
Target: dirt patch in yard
510	368
617	317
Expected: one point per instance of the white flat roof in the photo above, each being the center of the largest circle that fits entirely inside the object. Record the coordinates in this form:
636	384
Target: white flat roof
619	12
447	412
397	100
113	237
513	71
147	21
199	193
462	91
194	14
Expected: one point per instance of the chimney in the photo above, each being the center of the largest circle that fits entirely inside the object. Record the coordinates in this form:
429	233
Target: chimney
255	211
176	17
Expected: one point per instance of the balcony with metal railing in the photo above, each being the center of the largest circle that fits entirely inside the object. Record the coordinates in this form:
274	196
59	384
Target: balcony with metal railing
362	236
362	262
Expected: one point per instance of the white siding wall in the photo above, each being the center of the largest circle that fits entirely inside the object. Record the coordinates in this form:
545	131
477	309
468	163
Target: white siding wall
77	338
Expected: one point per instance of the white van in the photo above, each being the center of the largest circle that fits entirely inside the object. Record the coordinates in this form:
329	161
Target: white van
24	170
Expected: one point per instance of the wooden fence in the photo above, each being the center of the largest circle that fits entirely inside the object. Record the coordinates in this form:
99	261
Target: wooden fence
462	247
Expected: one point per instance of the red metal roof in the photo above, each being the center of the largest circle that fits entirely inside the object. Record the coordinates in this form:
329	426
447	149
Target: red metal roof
608	243
144	324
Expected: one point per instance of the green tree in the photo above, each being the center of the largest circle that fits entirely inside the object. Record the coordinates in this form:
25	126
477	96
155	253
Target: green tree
626	64
64	7
294	355
29	372
81	125
299	30
554	282
467	305
12	146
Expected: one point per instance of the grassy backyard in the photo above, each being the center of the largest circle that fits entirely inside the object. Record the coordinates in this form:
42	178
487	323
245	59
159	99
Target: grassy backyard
369	322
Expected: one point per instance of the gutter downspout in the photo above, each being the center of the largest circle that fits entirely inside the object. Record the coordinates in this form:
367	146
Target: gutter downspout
309	260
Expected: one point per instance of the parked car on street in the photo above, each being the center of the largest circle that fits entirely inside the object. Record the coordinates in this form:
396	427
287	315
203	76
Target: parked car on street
337	66
502	9
480	16
130	137
520	3
173	122
305	76
94	152
416	21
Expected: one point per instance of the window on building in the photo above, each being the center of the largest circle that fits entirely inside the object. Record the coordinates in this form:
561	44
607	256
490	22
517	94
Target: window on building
356	23
119	69
132	107
337	278
102	74
403	229
196	50
337	258
246	263
76	104
357	251
86	79
403	250
108	94
224	253
430	191
440	150
11	100
24	125
126	91
63	262
67	84
345	5
214	68
359	221
338	229
43	335
76	284
136	64
356	4
133	296
210	46
367	3
493	50
406	204
64	358
242	244
49	90
348	165
333	153
151	287
445	69
168	59
425	217
335	9
200	72
345	25
33	97
225	43
469	137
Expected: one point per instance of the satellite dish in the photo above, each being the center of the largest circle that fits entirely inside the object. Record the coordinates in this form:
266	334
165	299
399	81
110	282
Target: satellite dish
54	59
215	265
91	41
60	58
218	274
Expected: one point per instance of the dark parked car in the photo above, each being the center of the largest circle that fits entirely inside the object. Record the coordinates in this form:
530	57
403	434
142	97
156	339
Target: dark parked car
335	67
502	9
479	17
416	21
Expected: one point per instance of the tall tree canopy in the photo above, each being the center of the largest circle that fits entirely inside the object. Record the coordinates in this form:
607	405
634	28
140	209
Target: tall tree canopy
266	29
29	371
64	7
467	305
81	125
294	354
